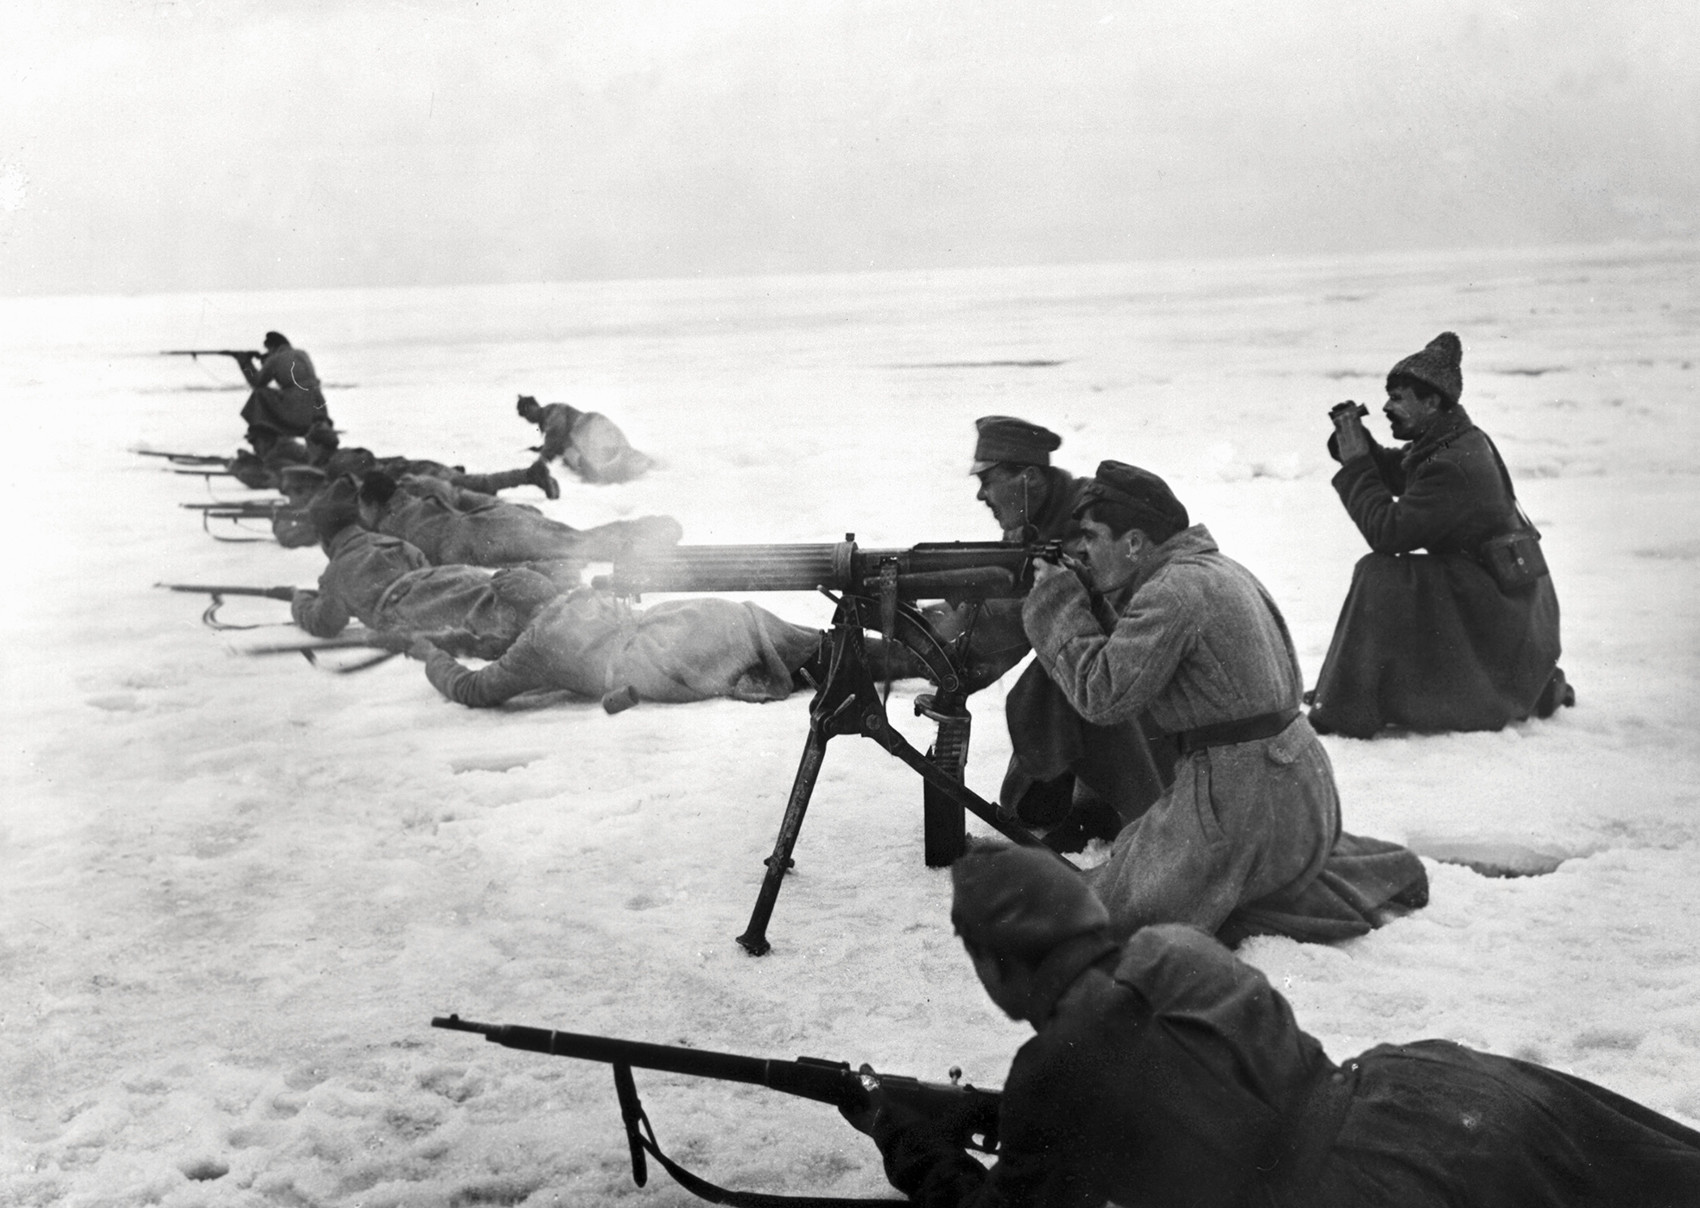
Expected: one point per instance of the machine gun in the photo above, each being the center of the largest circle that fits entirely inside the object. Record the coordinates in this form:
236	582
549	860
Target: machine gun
877	589
966	1115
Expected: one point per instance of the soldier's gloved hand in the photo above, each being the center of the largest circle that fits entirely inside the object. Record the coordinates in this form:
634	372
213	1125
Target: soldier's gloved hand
1045	569
421	648
1350	438
880	1114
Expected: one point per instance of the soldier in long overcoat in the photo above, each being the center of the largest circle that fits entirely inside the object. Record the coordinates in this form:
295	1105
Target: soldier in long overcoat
1430	640
450	524
286	398
1079	779
1247	839
389	586
594	645
587	442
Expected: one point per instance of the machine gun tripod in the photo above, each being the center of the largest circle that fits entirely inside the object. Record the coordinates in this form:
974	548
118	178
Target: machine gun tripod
875	590
849	701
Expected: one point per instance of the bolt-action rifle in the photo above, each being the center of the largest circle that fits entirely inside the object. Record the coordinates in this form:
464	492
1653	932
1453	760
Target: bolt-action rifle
261	509
877	589
221	589
240	354
236	511
218	591
185	459
966	1115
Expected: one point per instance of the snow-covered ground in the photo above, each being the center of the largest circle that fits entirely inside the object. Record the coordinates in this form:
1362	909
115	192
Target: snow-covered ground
234	890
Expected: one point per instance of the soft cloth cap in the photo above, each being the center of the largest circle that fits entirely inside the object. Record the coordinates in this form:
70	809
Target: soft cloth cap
1021	902
1005	439
1153	504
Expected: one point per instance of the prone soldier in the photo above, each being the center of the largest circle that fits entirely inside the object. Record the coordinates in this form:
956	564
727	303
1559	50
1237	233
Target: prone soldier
1163	1070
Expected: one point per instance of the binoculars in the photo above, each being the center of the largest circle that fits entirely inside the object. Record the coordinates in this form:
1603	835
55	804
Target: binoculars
1340	411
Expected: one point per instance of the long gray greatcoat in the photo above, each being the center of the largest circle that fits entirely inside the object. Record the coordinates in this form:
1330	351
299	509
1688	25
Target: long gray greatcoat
591	644
1048	738
1243	837
1429	640
589	444
1170	1072
387	585
287	398
450	524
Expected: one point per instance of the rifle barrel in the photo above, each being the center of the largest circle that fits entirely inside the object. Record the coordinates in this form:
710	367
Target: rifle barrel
222	589
967	1114
672	1059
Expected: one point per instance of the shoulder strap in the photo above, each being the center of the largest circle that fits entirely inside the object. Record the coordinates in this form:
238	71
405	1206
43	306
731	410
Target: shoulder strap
641	1136
1505	477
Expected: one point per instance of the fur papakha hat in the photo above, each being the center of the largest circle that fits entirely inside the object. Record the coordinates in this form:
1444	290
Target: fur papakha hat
1021	902
1005	439
1440	365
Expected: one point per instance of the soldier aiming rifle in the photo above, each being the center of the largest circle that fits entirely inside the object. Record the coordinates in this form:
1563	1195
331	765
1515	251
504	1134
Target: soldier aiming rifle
963	1116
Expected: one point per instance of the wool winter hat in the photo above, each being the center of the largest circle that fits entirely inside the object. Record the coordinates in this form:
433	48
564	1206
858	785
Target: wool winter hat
1008	440
1154	506
300	480
1021	902
1440	365
275	339
335	508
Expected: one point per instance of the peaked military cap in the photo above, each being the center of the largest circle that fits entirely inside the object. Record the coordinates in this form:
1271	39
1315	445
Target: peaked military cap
1021	901
1005	439
1147	495
1440	364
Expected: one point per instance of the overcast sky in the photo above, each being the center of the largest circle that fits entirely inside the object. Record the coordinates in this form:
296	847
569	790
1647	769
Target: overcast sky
153	145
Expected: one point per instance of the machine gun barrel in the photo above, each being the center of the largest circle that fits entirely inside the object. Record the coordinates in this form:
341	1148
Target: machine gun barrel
929	571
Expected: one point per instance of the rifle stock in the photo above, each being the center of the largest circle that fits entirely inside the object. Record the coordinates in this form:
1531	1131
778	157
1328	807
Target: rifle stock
967	1115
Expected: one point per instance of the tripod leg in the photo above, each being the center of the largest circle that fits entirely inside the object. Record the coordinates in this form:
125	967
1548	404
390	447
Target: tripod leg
754	939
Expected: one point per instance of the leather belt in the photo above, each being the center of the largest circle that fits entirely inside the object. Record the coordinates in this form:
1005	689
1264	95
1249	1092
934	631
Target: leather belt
1225	733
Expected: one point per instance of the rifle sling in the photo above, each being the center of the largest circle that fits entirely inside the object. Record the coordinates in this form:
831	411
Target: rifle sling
642	1137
